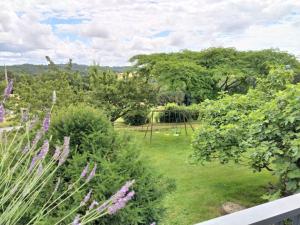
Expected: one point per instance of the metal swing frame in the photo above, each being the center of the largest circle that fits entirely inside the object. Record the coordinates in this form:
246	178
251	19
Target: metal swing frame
186	120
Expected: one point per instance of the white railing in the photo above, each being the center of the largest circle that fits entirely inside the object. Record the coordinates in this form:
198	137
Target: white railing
271	213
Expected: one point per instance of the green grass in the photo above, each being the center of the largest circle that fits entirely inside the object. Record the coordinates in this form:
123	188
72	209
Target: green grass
7	124
201	190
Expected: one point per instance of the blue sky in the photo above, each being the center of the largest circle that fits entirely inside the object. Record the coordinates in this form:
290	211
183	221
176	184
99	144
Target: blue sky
162	34
110	32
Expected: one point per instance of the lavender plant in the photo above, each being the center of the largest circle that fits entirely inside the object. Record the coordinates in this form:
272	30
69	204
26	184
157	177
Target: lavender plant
26	167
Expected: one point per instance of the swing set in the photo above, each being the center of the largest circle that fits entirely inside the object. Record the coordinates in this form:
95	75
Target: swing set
172	117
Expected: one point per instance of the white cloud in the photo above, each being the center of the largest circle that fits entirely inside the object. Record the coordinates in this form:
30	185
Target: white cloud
259	37
110	32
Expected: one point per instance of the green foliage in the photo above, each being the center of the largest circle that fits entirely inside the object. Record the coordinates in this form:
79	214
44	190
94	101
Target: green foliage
274	129
167	96
40	69
36	94
27	171
94	140
35	91
173	113
187	77
137	117
201	75
119	94
260	129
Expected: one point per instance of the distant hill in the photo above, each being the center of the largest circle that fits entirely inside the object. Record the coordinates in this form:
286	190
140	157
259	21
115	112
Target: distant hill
36	69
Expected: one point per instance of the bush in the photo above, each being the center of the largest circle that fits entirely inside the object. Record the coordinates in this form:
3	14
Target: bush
174	113
136	118
93	139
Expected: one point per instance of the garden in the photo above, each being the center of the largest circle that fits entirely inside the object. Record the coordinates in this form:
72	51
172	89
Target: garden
166	141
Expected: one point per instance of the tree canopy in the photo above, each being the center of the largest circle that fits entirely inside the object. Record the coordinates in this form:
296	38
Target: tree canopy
119	94
201	75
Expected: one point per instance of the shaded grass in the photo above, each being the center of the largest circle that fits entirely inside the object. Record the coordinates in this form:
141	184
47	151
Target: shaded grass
201	189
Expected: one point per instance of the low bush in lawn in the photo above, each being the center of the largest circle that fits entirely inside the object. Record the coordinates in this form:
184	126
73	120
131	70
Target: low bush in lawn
94	140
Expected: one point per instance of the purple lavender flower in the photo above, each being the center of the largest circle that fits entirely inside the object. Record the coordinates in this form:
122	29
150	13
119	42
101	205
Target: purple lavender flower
120	199
37	138
84	171
57	153
120	203
2	113
86	198
92	173
93	205
76	221
41	155
122	192
8	89
46	122
33	122
130	195
102	207
32	164
44	150
65	152
40	169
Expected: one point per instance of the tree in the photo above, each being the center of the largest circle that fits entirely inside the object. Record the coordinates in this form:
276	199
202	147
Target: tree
191	79
119	94
35	91
204	74
260	129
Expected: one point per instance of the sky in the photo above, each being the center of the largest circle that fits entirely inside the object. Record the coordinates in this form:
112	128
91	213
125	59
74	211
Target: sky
109	32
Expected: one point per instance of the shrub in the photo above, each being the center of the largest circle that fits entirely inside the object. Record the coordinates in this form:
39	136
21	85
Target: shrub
136	118
173	113
93	139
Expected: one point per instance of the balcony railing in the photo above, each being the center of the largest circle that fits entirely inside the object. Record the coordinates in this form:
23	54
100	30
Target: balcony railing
271	213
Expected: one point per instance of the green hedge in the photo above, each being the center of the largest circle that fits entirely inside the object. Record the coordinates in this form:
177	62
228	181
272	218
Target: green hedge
174	113
136	118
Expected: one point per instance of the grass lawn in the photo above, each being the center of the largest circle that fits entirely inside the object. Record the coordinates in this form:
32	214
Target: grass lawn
200	189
